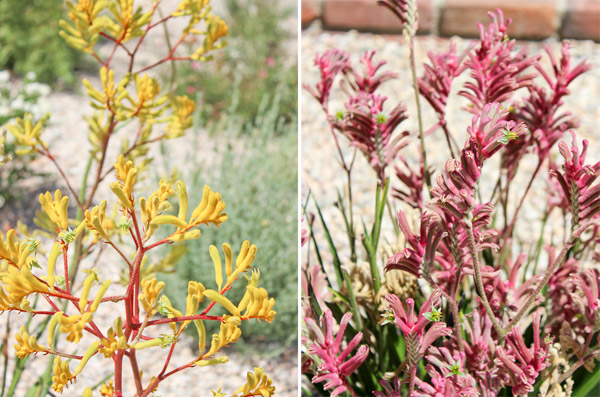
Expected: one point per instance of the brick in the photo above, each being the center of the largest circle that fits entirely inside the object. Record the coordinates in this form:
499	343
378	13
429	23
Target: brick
532	19
582	20
367	16
310	11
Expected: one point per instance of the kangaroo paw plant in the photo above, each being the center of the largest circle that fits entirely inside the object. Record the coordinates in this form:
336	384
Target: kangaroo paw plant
39	277
499	312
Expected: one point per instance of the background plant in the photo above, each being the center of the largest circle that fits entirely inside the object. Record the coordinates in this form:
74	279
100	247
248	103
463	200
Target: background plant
494	317
30	41
265	176
123	96
263	123
15	101
253	75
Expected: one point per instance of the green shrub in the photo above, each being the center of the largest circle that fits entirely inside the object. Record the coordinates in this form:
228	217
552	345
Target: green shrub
256	65
15	101
29	40
257	177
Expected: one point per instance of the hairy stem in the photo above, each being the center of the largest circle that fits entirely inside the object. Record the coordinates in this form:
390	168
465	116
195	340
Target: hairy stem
477	275
557	262
411	380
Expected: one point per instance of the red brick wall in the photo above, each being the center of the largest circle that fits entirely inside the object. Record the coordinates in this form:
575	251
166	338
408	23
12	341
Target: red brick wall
532	19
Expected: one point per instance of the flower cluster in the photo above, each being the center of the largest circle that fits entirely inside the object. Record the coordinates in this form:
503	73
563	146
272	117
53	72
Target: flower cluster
43	282
499	311
495	71
335	365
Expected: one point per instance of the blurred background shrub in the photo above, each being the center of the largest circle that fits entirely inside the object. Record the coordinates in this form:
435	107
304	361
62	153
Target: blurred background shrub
256	64
29	41
247	102
257	177
16	99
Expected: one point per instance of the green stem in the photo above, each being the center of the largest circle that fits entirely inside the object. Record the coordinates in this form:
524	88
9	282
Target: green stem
79	242
5	351
413	70
351	234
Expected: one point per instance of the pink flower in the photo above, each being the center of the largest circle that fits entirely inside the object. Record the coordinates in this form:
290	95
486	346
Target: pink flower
314	284
331	63
437	78
413	327
405	10
335	367
577	181
390	390
521	365
495	71
448	378
588	297
270	62
411	258
372	131
191	90
413	181
540	111
371	77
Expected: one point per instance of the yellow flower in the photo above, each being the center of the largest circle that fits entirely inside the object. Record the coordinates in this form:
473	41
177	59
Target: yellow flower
195	296
56	209
18	283
27	344
228	333
96	220
126	174
84	35
210	210
126	24
166	309
27	133
257	304
115	339
182	118
62	375
216	28
14	252
150	291
242	263
74	325
111	96
107	389
218	393
258	384
154	205
194	7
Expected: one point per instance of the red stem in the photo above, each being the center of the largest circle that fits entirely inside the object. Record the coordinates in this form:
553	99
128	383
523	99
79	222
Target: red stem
181	319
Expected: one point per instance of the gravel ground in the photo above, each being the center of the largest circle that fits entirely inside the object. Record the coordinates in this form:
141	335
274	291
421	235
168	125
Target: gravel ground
66	136
324	177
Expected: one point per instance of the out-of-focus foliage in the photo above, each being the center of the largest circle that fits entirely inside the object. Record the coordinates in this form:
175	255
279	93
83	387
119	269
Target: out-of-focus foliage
256	66
15	101
258	175
29	40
